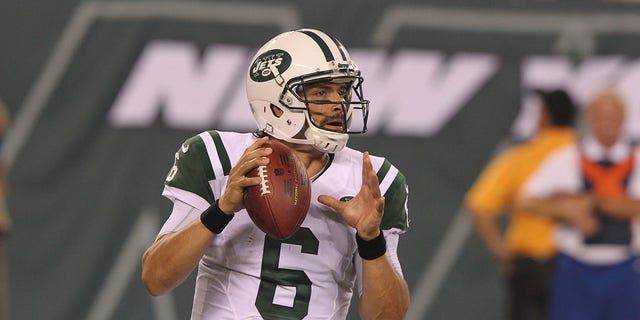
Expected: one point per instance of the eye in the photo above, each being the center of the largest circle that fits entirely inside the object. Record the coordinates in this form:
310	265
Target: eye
318	92
343	91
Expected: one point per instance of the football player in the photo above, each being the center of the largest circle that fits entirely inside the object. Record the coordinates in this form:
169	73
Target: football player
304	90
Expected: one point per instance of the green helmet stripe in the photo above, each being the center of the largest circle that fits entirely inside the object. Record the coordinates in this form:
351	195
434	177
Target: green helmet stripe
340	47
323	45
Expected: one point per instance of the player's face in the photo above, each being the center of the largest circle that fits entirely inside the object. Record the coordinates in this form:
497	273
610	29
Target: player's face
326	104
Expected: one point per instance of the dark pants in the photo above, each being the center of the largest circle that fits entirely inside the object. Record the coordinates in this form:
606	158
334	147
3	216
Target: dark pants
529	289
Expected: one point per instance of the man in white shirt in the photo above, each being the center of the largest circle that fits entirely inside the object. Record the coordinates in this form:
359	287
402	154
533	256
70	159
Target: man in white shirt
593	189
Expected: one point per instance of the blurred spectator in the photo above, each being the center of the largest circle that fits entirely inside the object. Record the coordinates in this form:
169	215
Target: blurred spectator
593	188
5	220
525	251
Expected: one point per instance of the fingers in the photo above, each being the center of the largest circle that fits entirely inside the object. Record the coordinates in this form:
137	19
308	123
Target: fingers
252	157
257	144
369	177
330	202
255	155
370	184
364	211
255	159
255	150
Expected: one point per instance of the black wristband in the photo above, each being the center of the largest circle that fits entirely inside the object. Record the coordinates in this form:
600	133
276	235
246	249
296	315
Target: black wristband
373	248
214	219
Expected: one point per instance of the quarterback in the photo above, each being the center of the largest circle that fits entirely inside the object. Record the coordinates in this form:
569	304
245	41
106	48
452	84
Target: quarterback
304	90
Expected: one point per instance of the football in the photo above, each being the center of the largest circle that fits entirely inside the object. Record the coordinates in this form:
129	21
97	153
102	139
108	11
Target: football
279	204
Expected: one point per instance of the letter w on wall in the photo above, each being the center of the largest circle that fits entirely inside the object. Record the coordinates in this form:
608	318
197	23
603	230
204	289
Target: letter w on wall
172	77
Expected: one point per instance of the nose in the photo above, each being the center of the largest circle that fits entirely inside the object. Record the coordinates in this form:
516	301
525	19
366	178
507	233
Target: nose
336	100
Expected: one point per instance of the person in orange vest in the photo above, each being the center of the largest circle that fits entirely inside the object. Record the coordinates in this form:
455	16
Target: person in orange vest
525	252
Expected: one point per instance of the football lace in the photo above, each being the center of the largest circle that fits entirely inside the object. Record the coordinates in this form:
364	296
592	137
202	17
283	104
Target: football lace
264	184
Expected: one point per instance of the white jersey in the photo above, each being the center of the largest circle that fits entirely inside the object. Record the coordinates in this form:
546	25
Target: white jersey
245	274
562	173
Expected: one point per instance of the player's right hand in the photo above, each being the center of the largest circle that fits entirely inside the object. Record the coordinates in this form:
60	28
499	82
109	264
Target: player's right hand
231	200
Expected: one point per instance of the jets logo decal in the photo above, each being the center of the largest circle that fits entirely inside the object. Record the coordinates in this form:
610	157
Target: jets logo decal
270	65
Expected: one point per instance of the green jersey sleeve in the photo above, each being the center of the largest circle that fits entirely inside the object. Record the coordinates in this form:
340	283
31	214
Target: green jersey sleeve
395	190
192	169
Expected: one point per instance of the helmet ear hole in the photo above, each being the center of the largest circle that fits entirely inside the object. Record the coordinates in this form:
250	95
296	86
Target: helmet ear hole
277	112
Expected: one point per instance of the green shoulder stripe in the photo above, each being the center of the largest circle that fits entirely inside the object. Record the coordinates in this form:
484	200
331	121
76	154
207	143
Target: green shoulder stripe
192	170
222	152
395	205
386	165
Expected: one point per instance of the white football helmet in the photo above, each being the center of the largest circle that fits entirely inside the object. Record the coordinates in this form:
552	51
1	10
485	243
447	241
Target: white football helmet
277	76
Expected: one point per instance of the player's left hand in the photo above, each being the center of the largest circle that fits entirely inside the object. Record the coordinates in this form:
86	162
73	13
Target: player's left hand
363	212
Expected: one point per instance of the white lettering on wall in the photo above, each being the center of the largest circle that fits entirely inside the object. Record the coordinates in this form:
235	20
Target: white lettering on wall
413	92
170	78
417	92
